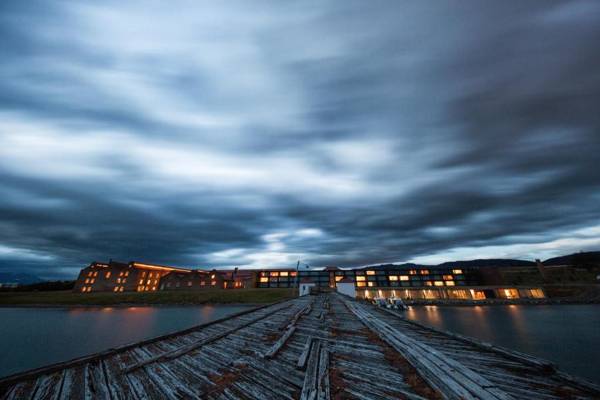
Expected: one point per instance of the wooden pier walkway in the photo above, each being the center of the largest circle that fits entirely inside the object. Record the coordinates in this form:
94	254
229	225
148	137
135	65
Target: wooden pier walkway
314	347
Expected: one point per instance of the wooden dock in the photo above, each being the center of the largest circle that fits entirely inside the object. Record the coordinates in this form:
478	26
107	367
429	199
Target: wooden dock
314	347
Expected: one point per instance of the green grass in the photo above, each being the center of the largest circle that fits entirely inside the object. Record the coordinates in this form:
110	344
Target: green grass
240	296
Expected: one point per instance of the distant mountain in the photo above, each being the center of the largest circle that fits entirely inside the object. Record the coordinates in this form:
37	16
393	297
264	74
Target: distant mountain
22	278
491	262
580	259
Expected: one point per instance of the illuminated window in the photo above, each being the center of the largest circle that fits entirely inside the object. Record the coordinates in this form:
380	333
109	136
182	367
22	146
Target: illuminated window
87	280
477	294
92	281
148	282
412	272
370	272
121	273
283	273
294	273
202	283
143	274
153	288
424	272
96	273
107	275
83	289
118	280
90	273
116	289
371	283
361	284
156	281
121	289
264	279
449	283
213	283
393	277
189	283
274	273
360	278
438	283
140	288
428	283
403	277
127	273
457	271
141	282
448	277
264	274
212	276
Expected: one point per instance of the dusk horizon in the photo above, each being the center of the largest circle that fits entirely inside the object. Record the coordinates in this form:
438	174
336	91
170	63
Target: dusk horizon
256	135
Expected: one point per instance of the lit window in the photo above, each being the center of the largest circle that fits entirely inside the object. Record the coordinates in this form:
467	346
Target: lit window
141	282
83	289
370	272
424	272
428	283
393	277
403	277
212	276
118	280
412	272
202	283
438	283
148	282
189	283
293	273
449	283
360	278
121	273
143	274
360	284
90	273
96	273
153	288
264	274
121	289
213	283
448	277
116	289
156	281
92	281
275	273
87	280
107	275
371	283
127	273
338	278
457	271
283	273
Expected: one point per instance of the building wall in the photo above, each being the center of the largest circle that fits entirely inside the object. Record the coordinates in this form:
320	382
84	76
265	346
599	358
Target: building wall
466	293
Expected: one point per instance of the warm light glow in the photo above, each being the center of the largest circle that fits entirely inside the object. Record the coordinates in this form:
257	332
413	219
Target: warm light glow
448	277
393	277
160	267
412	272
361	284
371	283
424	272
438	283
403	277
457	271
370	272
360	278
274	273
107	275
283	273
339	278
264	279
449	283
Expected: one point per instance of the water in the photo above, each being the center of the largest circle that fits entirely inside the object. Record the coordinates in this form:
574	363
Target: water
568	335
34	337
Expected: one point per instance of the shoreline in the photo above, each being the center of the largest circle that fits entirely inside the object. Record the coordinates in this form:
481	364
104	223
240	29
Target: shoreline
129	305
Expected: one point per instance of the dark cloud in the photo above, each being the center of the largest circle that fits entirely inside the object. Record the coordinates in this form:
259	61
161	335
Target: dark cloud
257	135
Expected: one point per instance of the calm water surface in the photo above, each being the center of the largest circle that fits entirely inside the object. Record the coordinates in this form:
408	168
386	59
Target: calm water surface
568	335
34	337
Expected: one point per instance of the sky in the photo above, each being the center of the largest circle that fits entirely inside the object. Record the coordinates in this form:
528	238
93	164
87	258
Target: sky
256	134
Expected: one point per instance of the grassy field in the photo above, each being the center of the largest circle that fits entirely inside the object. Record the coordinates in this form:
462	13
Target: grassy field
245	296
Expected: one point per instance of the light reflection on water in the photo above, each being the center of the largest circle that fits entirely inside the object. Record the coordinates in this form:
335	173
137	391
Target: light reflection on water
568	335
34	337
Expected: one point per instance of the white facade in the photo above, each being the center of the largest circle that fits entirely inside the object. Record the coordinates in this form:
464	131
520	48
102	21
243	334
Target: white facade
305	288
346	288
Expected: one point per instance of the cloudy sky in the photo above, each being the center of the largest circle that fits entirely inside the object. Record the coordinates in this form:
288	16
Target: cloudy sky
260	133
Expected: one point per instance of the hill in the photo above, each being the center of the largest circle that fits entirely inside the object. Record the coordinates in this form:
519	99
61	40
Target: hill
578	259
